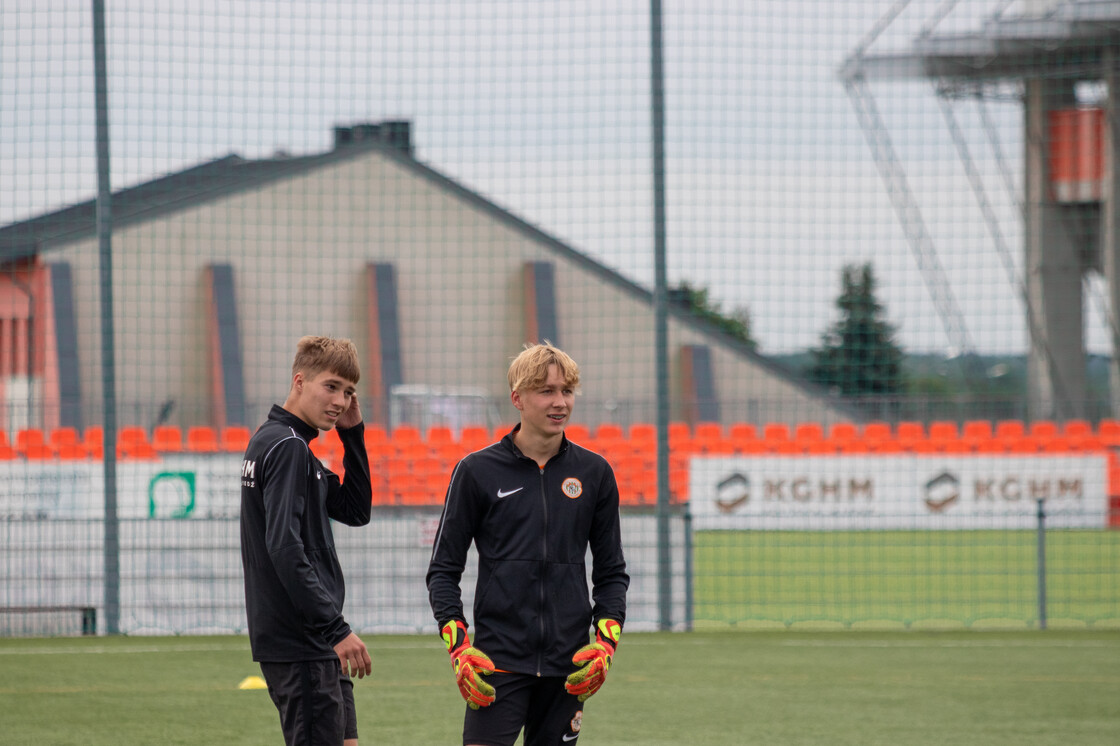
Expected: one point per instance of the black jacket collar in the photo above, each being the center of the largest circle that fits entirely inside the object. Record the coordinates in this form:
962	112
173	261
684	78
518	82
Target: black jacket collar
303	430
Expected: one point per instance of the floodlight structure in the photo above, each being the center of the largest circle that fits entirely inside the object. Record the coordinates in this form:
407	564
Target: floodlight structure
1070	202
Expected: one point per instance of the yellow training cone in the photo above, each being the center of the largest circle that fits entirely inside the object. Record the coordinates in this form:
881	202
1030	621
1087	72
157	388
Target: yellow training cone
252	682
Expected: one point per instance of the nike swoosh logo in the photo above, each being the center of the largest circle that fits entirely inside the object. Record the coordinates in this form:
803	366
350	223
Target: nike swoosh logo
569	737
507	493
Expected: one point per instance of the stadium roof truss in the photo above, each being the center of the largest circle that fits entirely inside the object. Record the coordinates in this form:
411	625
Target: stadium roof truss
1070	41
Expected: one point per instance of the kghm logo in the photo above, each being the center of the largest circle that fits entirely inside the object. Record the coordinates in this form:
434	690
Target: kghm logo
942	491
732	493
248	473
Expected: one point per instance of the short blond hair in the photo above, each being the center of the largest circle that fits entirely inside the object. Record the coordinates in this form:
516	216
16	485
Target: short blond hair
317	354
530	368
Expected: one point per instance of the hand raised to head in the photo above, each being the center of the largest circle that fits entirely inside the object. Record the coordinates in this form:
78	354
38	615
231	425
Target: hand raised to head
352	416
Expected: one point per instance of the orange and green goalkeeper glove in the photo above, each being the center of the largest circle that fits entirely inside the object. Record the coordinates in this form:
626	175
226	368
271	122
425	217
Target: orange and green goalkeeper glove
468	663
597	656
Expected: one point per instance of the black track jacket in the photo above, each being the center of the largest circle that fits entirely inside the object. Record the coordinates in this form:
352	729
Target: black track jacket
532	528
294	587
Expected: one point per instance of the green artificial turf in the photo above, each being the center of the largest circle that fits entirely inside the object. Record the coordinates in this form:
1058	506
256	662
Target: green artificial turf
789	687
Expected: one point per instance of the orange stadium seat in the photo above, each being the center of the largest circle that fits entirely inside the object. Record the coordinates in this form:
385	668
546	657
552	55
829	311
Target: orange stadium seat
775	431
578	433
380	451
413	451
843	431
38	452
740	431
475	437
977	429
776	436
132	434
1108	430
743	437
435	483
502	430
30	437
887	446
167	439
678	484
405	435
808	432
977	434
450	453
876	431
93	440
909	433
234	438
608	437
1010	428
327	447
137	450
855	445
202	439
439	435
72	452
943	430
375	433
1077	427
707	431
1044	428
427	465
64	436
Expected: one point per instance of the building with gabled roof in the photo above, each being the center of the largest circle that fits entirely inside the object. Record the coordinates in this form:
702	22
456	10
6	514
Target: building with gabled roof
218	270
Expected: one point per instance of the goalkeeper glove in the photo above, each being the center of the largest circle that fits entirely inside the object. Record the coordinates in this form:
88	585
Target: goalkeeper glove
587	680
468	663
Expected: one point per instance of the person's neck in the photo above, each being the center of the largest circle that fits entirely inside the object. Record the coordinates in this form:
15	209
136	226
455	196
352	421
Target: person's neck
536	447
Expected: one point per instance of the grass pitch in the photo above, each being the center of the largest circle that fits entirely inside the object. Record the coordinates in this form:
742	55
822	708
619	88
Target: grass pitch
905	579
793	687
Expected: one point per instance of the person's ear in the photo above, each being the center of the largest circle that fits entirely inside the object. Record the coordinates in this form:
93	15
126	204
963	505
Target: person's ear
515	397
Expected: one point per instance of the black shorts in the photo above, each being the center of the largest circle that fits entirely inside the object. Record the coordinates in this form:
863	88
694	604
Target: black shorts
315	700
550	716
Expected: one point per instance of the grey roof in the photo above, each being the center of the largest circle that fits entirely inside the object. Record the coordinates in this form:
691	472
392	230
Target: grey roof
1071	40
151	199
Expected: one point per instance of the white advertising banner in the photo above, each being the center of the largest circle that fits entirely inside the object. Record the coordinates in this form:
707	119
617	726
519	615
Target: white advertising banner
173	487
898	492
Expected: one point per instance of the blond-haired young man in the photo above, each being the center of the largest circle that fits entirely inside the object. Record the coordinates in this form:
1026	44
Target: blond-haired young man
532	503
294	589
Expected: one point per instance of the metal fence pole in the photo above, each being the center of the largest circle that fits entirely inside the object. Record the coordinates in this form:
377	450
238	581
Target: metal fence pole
108	343
661	324
1041	564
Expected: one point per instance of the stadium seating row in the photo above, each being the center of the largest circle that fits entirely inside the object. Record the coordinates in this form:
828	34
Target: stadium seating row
133	442
1009	436
411	467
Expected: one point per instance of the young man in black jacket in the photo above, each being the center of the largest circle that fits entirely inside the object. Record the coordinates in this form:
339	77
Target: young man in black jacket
532	503
294	589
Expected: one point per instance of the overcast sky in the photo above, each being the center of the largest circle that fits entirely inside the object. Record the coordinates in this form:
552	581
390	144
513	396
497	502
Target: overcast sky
543	107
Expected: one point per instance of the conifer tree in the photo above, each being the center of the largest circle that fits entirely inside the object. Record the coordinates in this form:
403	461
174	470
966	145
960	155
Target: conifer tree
858	356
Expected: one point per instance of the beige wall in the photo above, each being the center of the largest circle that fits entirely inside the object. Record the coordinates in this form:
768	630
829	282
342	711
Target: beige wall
300	248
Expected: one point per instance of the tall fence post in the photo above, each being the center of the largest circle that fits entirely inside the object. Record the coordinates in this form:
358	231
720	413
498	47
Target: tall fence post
661	323
108	343
1041	563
